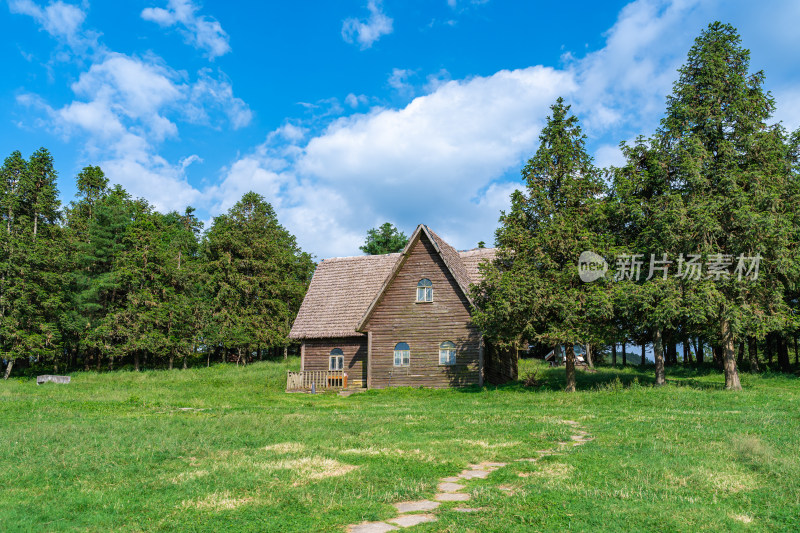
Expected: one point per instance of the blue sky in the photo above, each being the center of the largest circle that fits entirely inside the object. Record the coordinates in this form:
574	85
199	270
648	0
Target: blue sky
348	114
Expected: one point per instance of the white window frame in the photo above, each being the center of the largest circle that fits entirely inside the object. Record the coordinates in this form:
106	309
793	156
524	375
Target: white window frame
402	357
447	353
336	360
425	292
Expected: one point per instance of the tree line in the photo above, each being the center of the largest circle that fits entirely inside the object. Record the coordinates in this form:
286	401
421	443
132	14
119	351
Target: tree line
108	280
716	187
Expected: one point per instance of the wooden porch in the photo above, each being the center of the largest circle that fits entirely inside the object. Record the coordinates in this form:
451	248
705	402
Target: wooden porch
318	380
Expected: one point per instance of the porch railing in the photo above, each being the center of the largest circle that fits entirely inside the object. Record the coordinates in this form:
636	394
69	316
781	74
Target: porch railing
320	380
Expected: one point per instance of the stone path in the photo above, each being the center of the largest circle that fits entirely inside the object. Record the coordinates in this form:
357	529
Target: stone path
450	490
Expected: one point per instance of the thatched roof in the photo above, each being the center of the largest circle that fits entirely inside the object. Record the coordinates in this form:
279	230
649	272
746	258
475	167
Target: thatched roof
332	308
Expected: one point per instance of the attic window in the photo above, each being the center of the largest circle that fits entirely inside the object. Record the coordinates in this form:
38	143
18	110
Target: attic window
402	354
447	353
425	290
336	360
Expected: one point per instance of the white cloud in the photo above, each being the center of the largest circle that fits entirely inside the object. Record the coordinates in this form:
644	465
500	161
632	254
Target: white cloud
608	155
367	32
399	82
61	20
355	100
436	161
204	33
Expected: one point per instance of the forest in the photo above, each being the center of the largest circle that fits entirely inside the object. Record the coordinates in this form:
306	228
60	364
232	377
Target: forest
699	230
108	281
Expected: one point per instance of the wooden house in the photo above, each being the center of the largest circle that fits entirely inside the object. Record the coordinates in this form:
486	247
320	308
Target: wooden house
399	319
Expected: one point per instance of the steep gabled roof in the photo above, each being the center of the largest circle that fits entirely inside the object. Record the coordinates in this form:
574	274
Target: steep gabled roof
473	258
341	290
345	290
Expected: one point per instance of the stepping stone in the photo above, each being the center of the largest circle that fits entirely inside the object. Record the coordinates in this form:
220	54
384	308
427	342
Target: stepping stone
450	487
570	422
413	507
371	527
528	460
412	519
466	510
578	437
451	479
473	474
451	497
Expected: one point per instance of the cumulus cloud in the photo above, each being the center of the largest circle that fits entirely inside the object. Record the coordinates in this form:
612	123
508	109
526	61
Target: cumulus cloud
204	33
61	20
439	160
125	107
367	32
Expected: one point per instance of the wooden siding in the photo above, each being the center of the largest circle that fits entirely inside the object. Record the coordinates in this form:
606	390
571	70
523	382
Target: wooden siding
317	352
500	366
398	317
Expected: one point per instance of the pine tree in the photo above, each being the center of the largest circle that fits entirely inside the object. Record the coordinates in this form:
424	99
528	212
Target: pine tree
732	171
256	277
533	291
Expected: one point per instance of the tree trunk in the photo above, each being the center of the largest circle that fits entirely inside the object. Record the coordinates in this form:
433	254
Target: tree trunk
768	348
719	355
783	354
111	363
614	355
285	352
700	355
9	366
570	365
729	358
136	360
641	363
99	356
171	358
259	353
740	357
658	351
588	357
686	352
624	355
752	344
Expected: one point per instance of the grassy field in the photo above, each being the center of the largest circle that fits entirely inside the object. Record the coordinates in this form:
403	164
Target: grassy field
225	449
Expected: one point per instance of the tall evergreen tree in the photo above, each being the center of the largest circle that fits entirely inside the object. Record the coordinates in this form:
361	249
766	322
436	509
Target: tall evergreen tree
256	277
731	169
533	290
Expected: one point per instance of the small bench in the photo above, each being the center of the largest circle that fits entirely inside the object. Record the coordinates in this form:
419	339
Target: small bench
52	379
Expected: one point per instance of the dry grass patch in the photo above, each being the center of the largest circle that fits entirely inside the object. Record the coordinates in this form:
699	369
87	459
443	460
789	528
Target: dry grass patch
743	518
217	501
550	472
286	447
391	452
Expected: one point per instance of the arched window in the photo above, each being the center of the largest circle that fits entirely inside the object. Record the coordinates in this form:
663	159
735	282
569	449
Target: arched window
447	353
402	354
425	290
337	359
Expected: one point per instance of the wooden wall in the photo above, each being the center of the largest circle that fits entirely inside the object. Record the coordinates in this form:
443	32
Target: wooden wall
316	356
500	366
398	317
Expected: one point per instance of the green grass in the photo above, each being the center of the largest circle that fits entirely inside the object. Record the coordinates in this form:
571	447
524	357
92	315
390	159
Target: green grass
115	451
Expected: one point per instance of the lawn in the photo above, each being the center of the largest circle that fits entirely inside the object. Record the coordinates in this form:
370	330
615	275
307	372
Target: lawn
225	449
